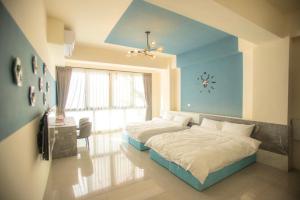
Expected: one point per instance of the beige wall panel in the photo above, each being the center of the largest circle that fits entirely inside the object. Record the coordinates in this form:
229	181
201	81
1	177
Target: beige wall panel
270	81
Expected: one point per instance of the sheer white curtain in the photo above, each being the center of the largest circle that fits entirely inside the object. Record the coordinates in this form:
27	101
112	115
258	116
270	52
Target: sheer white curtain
89	90
127	90
109	99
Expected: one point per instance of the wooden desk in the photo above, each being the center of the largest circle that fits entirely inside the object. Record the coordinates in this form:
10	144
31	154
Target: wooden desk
65	137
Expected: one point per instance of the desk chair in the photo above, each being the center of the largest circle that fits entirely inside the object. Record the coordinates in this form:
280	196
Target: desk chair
84	132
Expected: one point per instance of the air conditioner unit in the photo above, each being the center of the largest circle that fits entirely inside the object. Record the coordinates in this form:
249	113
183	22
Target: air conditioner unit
69	43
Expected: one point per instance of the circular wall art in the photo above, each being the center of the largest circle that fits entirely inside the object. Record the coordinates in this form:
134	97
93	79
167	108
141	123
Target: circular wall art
44	68
41	84
18	73
44	98
207	82
47	86
34	65
32	96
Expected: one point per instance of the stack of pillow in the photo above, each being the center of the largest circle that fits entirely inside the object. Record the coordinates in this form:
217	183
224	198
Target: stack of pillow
228	127
180	119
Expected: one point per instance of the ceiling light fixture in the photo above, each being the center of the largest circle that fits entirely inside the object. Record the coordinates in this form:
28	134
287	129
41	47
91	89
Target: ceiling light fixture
147	51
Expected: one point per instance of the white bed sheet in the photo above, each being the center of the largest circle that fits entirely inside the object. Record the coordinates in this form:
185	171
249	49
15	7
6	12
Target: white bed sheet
202	151
144	130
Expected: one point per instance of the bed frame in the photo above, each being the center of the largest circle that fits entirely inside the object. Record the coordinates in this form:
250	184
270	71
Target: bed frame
211	179
136	144
274	138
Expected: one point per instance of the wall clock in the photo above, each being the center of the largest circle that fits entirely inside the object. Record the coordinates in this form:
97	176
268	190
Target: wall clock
207	82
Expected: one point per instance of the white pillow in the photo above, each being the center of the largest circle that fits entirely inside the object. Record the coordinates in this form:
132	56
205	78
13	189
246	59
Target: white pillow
237	129
211	124
168	116
182	120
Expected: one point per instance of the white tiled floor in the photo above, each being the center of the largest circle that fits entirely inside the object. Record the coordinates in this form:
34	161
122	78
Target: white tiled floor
114	170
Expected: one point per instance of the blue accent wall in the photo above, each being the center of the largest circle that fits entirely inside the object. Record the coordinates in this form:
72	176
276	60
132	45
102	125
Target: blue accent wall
15	110
222	60
174	32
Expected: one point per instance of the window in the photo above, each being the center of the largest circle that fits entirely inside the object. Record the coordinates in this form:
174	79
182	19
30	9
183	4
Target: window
89	90
109	99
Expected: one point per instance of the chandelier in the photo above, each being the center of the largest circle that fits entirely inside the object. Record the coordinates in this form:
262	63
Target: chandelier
148	50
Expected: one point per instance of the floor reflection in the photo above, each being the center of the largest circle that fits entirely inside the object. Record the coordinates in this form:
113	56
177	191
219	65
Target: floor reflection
112	169
104	166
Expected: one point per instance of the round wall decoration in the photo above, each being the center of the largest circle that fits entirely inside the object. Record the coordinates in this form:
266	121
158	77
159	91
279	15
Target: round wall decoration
207	82
44	98
32	96
47	86
18	73
34	64
41	84
44	68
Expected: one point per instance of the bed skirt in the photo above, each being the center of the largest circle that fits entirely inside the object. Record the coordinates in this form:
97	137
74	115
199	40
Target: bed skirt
211	179
136	144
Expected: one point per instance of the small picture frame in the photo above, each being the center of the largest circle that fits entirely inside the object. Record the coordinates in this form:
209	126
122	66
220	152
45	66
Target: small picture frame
44	68
32	96
41	84
18	73
44	98
47	86
34	65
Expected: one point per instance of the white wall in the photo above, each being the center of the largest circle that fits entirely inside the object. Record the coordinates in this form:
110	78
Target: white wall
247	49
23	174
270	81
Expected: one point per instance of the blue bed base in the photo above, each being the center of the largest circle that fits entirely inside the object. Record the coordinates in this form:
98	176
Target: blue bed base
211	179
136	144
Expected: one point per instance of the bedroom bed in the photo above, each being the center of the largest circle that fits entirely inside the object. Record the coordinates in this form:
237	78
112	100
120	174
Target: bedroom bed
203	156
137	134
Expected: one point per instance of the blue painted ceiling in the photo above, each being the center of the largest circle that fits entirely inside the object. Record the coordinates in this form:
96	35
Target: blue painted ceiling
174	32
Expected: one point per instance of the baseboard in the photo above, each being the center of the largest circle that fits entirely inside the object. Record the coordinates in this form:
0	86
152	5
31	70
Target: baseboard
272	159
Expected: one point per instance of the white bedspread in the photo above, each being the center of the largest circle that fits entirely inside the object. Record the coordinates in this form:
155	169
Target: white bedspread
202	151
144	130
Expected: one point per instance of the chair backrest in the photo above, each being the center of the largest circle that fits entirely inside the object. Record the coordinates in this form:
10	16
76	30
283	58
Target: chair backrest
85	130
83	120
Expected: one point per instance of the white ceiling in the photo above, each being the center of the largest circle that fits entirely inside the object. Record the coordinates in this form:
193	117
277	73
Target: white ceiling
91	20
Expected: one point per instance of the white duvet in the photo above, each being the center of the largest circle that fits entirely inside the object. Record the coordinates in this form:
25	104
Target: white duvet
144	130
202	151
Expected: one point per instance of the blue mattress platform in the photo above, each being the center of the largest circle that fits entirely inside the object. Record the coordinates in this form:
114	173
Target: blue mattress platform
211	179
136	144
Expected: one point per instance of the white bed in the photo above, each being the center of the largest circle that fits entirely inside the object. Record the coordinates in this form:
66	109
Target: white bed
139	133
202	150
143	131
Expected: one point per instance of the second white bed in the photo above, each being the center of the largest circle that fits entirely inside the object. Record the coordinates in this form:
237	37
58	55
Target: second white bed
145	130
202	151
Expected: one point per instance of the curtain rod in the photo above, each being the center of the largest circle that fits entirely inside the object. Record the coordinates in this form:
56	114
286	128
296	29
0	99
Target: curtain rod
109	70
